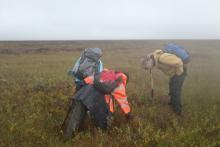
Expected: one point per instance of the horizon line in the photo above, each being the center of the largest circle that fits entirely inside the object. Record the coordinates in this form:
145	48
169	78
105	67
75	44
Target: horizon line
100	40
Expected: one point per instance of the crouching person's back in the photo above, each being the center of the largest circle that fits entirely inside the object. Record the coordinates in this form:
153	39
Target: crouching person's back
88	64
96	97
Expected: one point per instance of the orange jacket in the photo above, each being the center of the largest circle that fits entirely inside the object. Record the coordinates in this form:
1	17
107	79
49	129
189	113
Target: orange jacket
119	94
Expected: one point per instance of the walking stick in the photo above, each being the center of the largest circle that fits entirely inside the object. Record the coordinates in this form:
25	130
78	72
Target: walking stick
152	84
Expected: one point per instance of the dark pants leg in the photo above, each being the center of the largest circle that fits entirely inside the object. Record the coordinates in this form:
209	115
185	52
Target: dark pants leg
100	112
75	119
95	102
175	87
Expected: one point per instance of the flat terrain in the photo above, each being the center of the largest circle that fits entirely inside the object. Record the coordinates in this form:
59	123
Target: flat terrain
35	91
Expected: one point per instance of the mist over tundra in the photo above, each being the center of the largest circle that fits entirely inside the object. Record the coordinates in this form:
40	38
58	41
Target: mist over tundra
103	19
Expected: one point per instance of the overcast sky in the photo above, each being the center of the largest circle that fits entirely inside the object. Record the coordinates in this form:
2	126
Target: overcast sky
109	19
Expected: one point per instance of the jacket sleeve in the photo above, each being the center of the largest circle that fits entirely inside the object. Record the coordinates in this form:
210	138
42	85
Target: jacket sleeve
120	96
89	80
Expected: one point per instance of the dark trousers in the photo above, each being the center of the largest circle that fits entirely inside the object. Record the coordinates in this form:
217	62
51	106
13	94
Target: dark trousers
74	119
175	89
94	101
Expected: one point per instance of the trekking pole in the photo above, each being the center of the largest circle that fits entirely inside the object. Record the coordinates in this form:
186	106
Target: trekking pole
152	84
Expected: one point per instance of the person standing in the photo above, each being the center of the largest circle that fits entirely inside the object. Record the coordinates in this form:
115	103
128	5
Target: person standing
172	60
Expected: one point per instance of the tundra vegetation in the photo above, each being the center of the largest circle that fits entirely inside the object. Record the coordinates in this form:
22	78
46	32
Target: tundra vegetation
35	91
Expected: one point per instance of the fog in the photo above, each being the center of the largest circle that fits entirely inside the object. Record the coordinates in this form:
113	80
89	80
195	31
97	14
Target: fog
109	19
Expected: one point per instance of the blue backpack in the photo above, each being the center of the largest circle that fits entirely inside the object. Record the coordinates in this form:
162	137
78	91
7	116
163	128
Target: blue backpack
178	51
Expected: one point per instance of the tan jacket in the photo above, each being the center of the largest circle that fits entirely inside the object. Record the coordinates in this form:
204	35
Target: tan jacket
170	64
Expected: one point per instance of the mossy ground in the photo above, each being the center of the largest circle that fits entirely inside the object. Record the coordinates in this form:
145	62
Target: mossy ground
35	91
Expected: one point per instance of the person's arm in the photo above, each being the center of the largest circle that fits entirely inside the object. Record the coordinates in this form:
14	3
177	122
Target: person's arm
89	80
120	96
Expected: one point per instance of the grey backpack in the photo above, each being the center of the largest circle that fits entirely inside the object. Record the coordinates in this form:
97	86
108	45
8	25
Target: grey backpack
88	63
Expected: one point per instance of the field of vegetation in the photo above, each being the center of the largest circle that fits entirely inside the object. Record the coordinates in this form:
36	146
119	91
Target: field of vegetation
35	91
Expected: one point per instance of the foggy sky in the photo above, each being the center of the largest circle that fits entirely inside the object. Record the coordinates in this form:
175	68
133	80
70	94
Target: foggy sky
109	19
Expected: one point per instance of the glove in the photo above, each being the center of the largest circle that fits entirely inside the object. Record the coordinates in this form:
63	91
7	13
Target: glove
129	116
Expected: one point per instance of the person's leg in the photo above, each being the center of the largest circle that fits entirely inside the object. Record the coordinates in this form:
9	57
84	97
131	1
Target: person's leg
75	119
100	112
176	83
